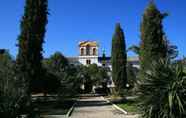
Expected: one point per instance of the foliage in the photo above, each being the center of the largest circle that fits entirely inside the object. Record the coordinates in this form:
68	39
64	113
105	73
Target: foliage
10	93
57	64
131	75
130	106
172	50
51	83
85	78
135	49
93	71
99	76
56	70
152	45
29	67
103	74
93	75
119	59
104	79
71	82
61	77
163	91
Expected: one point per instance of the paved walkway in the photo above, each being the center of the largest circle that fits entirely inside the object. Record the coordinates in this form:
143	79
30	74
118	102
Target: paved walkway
96	107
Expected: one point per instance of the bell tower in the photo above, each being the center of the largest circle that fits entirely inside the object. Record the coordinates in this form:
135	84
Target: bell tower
88	52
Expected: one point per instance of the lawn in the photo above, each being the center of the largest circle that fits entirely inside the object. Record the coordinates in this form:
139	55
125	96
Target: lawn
130	106
52	105
54	108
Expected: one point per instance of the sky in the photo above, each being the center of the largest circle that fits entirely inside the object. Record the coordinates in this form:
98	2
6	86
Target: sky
71	21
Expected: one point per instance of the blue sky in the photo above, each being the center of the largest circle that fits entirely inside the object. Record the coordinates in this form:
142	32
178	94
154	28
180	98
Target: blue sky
71	21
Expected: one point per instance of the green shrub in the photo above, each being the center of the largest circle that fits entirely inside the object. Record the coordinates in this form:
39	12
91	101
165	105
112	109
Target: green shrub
163	91
10	94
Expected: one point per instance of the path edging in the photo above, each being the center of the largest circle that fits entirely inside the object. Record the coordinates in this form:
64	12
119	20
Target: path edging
115	106
70	110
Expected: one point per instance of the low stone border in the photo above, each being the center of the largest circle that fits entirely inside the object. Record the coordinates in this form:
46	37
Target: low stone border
115	106
53	116
70	110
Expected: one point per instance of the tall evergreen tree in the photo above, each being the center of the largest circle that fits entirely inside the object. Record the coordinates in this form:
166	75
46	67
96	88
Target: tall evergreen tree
30	42
152	46
103	58
119	59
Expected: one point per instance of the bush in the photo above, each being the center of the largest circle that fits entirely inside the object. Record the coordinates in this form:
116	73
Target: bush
10	94
163	91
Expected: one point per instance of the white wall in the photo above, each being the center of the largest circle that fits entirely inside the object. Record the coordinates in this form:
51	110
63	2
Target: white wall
91	50
93	59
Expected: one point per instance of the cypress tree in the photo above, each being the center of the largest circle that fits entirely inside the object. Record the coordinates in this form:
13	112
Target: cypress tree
30	40
152	46
119	59
103	58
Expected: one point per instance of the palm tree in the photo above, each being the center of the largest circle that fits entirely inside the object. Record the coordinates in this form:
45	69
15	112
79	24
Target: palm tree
163	91
134	48
172	50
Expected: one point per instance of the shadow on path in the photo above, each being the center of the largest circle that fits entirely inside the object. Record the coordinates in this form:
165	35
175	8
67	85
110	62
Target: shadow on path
95	107
91	103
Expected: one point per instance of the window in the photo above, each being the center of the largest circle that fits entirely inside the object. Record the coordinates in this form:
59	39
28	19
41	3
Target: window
87	50
88	62
94	51
82	52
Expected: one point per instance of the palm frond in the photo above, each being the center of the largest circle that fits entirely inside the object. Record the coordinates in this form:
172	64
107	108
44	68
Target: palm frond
162	91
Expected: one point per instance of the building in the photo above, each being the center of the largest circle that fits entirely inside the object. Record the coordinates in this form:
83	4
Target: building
88	54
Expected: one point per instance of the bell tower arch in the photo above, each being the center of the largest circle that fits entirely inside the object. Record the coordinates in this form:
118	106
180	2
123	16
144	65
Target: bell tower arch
88	52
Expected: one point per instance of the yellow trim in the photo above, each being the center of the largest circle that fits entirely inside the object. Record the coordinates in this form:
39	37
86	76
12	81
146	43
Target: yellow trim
90	43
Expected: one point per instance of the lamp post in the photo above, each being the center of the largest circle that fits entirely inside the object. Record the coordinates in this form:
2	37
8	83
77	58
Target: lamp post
83	85
127	85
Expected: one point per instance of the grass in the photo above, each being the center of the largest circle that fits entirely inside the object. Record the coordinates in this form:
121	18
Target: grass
54	108
130	106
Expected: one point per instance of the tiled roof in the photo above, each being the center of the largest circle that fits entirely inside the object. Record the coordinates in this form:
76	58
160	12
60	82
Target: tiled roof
90	43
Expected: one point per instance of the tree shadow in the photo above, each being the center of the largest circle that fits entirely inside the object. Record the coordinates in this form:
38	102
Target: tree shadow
92	103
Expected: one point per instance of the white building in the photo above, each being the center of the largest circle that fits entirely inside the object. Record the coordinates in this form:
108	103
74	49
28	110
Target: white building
88	54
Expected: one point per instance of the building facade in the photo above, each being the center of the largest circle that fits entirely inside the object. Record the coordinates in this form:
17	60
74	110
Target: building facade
89	54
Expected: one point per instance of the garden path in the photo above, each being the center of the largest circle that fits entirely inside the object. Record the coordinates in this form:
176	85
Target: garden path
96	107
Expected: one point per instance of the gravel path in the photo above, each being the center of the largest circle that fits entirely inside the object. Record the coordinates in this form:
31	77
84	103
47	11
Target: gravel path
96	107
